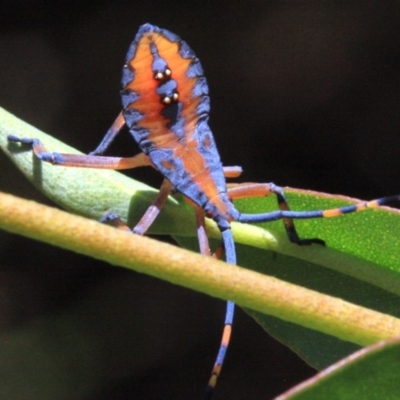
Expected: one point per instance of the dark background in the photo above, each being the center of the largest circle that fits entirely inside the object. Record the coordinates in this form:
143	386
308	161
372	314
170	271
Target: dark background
303	95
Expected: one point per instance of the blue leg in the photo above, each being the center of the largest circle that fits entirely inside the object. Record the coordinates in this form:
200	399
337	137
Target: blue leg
148	217
81	160
109	136
230	253
245	190
334	212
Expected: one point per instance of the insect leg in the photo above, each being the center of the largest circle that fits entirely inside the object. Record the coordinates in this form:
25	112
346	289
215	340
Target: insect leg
232	172
148	217
152	212
226	335
287	215
81	160
230	306
202	237
109	136
264	189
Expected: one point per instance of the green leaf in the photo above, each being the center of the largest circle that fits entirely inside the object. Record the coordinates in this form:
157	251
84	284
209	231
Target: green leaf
362	274
318	349
371	236
372	373
360	257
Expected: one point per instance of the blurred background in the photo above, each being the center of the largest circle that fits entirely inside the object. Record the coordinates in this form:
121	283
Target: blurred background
305	95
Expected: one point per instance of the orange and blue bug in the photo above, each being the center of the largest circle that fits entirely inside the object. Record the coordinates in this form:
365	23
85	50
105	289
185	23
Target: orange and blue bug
165	107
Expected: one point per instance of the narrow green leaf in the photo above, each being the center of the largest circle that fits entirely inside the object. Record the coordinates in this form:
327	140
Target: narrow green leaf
370	374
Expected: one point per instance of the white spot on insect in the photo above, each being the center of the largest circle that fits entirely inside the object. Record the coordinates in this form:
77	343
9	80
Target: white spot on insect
159	76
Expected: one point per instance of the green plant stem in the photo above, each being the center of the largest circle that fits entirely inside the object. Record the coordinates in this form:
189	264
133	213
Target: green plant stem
205	274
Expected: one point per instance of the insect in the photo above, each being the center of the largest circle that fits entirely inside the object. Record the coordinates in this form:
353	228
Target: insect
165	105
